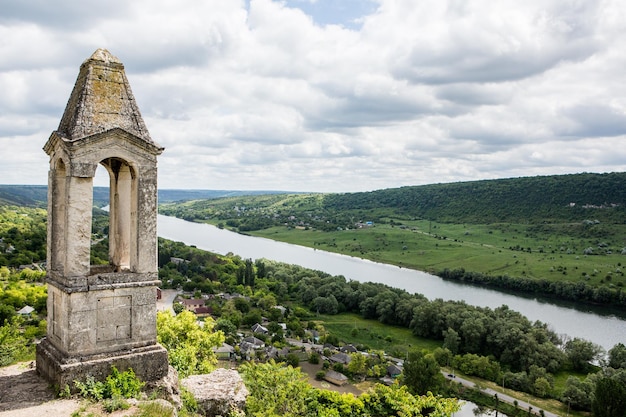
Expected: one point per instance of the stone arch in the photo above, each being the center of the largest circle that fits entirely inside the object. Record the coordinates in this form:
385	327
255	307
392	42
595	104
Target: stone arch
123	186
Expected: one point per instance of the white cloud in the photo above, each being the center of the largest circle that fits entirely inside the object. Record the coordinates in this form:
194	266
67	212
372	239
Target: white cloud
262	95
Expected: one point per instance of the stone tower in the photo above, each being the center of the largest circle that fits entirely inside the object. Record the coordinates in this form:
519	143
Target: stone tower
99	316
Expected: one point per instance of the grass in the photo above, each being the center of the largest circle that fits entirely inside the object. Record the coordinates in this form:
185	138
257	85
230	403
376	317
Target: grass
351	328
551	253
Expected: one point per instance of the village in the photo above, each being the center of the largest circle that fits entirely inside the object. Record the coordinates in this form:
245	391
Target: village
342	368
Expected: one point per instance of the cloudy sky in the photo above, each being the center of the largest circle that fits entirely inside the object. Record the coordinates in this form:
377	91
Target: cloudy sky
331	95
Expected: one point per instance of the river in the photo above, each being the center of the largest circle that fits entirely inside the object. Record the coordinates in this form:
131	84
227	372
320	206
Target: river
603	328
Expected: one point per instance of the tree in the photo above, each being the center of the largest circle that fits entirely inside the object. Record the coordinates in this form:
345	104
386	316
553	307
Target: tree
617	356
357	364
396	400
610	398
421	373
260	269
542	387
178	308
249	273
189	345
325	305
581	352
451	340
13	344
226	326
578	393
275	389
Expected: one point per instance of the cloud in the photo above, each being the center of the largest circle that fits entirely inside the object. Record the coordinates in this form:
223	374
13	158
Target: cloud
331	96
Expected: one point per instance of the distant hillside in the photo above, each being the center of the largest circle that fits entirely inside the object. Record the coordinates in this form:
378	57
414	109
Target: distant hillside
529	199
37	195
167	196
24	195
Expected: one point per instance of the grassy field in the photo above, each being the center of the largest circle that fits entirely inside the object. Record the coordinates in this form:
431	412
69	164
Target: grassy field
352	329
546	251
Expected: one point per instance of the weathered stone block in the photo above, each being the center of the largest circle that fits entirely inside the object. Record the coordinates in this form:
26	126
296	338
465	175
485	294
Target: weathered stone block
217	393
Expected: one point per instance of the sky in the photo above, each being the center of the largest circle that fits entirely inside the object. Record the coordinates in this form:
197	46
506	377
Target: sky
330	95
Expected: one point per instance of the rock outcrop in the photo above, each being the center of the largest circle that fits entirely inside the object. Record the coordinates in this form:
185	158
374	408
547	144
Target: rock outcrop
217	393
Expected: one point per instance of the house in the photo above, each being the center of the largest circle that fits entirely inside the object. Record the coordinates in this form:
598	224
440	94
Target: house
178	261
274	353
192	304
203	311
336	378
348	349
314	334
394	371
249	345
342	358
225	352
25	311
257	328
281	308
251	342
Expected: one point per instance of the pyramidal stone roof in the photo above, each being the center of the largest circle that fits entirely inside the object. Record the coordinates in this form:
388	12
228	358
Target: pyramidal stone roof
101	100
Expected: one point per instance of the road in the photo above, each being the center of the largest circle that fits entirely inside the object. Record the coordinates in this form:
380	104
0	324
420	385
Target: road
167	300
502	397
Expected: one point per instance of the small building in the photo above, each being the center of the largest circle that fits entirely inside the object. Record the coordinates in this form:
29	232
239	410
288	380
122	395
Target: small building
192	304
249	346
25	311
348	349
253	342
225	352
394	371
336	378
342	358
257	328
203	311
281	308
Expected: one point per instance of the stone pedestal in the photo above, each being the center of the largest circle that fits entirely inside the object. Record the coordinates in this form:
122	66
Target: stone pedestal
149	364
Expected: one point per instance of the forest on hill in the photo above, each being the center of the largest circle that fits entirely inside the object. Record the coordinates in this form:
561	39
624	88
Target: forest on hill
528	199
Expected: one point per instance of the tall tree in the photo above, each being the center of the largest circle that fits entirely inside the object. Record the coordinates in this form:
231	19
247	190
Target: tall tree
617	356
422	373
249	273
610	398
581	352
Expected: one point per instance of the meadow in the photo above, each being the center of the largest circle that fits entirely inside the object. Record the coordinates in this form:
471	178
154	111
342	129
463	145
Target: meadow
551	252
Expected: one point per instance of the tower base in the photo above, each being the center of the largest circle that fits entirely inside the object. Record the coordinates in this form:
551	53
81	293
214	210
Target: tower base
149	364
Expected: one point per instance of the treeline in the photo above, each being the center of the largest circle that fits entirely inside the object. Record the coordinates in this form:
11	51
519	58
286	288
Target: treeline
578	291
22	235
530	199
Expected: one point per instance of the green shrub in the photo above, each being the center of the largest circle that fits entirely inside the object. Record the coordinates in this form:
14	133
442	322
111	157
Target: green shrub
125	384
189	401
117	385
90	388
